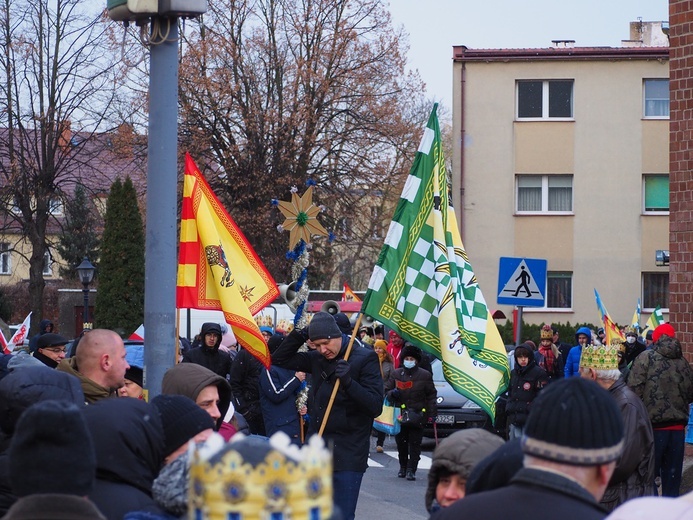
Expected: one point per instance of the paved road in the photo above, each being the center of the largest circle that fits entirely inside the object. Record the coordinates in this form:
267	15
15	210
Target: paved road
384	496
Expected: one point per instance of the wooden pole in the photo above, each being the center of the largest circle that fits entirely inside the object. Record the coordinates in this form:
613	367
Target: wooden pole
336	384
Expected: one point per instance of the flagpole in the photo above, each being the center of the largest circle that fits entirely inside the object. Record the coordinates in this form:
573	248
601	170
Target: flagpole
357	325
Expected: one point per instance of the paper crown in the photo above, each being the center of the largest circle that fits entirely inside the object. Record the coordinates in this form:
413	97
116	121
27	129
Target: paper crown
263	320
87	326
619	344
629	330
547	332
256	479
285	326
599	357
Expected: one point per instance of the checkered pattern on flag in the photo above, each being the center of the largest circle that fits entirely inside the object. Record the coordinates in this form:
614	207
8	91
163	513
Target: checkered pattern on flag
423	285
217	267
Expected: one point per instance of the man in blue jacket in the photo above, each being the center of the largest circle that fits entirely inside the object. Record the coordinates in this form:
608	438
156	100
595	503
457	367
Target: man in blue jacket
583	337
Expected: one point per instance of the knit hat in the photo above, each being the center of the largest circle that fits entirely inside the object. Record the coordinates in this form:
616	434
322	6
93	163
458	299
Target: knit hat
268	330
343	323
274	342
528	352
323	326
52	451
546	332
411	350
380	343
51	340
136	375
599	357
574	421
181	418
664	329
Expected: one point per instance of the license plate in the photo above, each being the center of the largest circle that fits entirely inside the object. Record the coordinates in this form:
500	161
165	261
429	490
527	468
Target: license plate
445	419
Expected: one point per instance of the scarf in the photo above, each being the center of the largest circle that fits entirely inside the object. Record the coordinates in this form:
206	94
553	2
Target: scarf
548	359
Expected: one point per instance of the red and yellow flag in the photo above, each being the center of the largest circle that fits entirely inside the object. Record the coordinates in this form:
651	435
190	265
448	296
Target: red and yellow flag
217	267
348	295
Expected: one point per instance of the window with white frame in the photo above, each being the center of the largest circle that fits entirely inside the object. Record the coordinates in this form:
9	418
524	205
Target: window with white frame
55	207
559	290
656	98
545	99
544	193
47	264
5	258
655	290
655	193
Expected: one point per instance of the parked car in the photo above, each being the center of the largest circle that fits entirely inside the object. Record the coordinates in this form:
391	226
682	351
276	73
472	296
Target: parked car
457	412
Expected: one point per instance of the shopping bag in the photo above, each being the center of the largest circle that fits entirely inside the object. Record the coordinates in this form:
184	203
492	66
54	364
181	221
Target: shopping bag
388	420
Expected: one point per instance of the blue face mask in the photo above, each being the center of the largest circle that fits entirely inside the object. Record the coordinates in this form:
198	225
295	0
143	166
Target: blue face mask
409	364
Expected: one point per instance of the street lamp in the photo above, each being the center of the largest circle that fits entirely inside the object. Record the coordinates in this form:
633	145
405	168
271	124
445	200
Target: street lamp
85	270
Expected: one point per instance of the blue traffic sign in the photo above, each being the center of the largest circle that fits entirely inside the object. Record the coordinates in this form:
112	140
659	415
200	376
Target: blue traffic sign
522	281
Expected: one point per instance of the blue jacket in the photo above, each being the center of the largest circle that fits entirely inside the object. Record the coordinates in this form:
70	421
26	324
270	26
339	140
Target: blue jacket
278	387
572	364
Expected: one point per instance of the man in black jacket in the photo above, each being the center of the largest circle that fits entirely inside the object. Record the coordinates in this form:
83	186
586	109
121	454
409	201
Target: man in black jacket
358	401
208	354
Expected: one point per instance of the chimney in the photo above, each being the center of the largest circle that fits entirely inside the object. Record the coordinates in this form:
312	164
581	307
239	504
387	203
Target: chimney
563	44
65	136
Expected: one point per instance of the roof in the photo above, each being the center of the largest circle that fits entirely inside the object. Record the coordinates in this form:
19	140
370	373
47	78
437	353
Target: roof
461	53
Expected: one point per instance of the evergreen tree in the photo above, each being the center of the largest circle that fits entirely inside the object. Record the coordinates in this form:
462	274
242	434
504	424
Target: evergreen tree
120	295
79	238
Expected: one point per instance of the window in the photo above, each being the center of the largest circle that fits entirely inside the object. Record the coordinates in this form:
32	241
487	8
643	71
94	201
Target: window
5	259
545	99
655	290
47	264
55	207
544	193
559	290
656	193
656	98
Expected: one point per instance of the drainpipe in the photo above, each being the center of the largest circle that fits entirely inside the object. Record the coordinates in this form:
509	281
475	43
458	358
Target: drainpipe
463	80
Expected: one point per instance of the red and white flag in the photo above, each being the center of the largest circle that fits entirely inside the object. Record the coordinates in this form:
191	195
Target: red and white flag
18	338
3	344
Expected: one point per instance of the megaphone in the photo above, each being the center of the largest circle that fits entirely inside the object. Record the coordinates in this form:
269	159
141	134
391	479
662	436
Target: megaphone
289	295
366	321
331	307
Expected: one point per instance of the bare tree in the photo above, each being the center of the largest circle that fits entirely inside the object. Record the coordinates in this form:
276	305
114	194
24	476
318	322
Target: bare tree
274	92
57	83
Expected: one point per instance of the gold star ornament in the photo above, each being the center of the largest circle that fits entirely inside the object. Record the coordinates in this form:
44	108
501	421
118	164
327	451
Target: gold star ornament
301	218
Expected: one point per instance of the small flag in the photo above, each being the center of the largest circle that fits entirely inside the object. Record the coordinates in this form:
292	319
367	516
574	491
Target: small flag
17	339
635	322
3	344
655	319
423	286
217	268
348	295
610	328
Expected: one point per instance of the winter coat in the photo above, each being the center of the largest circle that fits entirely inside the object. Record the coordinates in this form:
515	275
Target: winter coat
129	442
245	385
212	358
93	391
278	388
532	494
386	367
43	326
558	364
634	350
634	471
18	391
189	379
663	379
414	388
53	507
525	384
572	363
349	424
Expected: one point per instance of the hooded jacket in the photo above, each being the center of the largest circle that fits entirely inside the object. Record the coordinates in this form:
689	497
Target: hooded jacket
663	379
43	328
412	387
190	379
93	391
349	424
572	363
129	442
525	384
212	358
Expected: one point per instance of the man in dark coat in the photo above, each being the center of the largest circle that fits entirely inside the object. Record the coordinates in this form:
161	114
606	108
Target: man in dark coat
245	388
526	380
358	401
573	437
208	354
45	326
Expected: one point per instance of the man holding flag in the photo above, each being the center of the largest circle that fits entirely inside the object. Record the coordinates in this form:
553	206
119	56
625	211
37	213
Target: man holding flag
423	286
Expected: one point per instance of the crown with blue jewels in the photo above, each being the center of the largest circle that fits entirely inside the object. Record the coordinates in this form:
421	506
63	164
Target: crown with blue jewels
252	478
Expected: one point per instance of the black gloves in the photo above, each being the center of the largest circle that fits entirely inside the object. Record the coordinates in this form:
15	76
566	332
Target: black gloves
341	372
393	396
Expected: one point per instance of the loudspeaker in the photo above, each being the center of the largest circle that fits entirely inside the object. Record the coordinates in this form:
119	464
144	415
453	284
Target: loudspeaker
288	294
331	307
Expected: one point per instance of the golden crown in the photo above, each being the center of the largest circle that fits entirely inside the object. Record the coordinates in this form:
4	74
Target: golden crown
630	330
256	479
619	344
87	326
599	357
546	332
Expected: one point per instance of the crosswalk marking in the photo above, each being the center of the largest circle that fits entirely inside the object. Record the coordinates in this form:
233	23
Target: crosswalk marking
424	463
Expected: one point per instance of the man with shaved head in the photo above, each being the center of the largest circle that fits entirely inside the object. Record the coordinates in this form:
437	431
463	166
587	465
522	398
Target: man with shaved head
99	364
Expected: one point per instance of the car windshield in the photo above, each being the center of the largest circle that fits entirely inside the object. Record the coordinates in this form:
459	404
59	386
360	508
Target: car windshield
437	368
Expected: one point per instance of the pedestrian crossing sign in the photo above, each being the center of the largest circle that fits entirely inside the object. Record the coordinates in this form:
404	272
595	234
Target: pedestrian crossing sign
522	282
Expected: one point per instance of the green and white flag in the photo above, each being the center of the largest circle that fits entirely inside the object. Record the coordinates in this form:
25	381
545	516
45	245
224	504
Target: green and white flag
423	286
655	320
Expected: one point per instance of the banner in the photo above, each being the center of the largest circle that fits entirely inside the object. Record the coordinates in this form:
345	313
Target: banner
217	267
423	286
17	339
635	322
610	328
655	319
348	295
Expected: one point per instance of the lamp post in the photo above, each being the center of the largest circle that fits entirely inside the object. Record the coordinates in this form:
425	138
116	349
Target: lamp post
85	270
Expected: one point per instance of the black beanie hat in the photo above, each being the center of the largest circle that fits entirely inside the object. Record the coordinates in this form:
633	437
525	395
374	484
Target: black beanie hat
343	323
323	326
135	374
574	421
411	350
181	418
52	451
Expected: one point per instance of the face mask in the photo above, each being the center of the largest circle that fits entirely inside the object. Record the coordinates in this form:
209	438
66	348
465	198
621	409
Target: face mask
409	364
630	339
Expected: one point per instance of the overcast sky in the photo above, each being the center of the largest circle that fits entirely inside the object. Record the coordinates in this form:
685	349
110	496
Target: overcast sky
434	26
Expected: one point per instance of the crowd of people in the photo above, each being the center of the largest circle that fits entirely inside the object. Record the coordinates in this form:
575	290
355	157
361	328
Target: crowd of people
592	429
